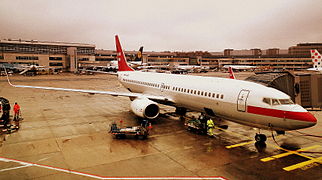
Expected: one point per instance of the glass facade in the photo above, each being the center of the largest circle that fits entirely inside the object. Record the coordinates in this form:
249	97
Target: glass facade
42	49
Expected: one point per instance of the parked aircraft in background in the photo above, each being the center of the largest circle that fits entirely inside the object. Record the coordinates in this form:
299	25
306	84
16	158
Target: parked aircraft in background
191	68
317	61
235	100
138	61
31	68
240	67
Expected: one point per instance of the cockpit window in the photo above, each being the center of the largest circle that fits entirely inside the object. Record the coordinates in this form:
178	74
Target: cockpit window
286	101
275	102
267	101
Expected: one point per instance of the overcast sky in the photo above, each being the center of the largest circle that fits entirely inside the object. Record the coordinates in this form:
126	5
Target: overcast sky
159	25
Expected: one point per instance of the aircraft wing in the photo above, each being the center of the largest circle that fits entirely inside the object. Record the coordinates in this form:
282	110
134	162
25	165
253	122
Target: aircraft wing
126	94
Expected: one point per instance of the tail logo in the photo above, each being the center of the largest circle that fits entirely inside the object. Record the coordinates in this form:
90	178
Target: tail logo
316	58
119	57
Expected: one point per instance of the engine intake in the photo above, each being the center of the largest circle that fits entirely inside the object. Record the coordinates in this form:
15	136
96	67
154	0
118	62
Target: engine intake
145	108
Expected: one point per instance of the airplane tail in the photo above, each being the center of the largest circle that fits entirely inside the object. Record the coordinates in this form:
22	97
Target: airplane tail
138	56
122	63
316	58
231	73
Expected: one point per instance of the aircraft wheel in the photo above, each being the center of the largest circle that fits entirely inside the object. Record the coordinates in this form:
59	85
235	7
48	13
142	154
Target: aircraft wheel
260	138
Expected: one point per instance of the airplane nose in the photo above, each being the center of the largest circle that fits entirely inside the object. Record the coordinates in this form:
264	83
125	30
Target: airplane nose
299	113
302	116
310	118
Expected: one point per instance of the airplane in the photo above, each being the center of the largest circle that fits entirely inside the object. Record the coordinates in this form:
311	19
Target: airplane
154	68
32	68
240	67
191	68
317	61
239	101
24	68
138	60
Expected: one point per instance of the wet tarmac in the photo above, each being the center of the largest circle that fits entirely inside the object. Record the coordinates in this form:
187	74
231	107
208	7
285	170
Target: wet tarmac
64	135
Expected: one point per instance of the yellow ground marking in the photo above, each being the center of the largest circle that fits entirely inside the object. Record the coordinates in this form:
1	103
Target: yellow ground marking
240	144
298	152
303	164
288	153
295	152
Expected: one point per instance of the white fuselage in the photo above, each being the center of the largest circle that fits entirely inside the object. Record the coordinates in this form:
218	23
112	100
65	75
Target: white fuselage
235	100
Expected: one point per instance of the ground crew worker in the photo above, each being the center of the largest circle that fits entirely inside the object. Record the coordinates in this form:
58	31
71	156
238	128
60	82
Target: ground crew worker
210	125
121	123
16	110
144	123
149	127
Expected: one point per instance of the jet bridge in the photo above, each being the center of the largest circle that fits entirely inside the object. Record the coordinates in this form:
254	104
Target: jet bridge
284	81
303	88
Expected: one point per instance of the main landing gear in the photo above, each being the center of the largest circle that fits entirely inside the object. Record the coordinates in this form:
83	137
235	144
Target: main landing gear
260	138
181	111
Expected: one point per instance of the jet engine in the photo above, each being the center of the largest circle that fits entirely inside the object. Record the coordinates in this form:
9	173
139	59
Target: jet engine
145	108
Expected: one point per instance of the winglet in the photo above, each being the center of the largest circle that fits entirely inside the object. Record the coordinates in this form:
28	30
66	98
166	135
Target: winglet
122	64
231	73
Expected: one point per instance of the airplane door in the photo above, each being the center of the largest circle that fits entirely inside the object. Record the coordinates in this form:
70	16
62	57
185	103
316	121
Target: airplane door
242	100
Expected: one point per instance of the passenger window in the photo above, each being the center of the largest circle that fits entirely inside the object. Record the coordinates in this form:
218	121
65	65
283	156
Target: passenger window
213	95
222	96
217	96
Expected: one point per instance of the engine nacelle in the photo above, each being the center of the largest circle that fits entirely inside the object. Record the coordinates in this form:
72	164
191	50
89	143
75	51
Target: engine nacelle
145	108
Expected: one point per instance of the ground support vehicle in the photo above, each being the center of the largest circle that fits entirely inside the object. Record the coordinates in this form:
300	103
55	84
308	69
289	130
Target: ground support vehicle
195	125
136	131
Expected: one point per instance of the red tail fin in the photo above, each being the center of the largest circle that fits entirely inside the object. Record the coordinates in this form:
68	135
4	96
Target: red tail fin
231	73
122	64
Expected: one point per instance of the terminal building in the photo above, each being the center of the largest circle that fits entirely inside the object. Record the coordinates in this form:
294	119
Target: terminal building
58	55
103	57
71	56
278	59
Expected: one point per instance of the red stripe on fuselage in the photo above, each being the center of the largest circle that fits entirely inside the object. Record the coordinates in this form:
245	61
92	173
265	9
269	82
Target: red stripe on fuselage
301	116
